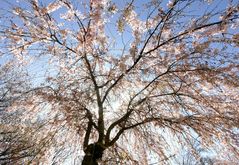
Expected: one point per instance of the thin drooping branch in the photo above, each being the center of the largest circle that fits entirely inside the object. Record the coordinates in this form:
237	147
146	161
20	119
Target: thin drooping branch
187	32
187	120
130	110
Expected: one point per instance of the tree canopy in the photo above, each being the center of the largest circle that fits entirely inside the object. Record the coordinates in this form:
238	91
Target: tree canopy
119	82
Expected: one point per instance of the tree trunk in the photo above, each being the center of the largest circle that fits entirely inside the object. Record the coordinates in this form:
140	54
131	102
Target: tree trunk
88	160
93	152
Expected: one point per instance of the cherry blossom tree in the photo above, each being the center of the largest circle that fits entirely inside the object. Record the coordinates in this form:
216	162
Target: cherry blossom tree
125	82
16	142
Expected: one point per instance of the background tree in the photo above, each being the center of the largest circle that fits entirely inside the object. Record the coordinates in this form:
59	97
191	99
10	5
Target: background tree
111	78
11	84
18	143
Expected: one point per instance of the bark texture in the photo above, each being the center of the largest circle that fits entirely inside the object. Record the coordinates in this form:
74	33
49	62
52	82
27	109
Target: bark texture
93	153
